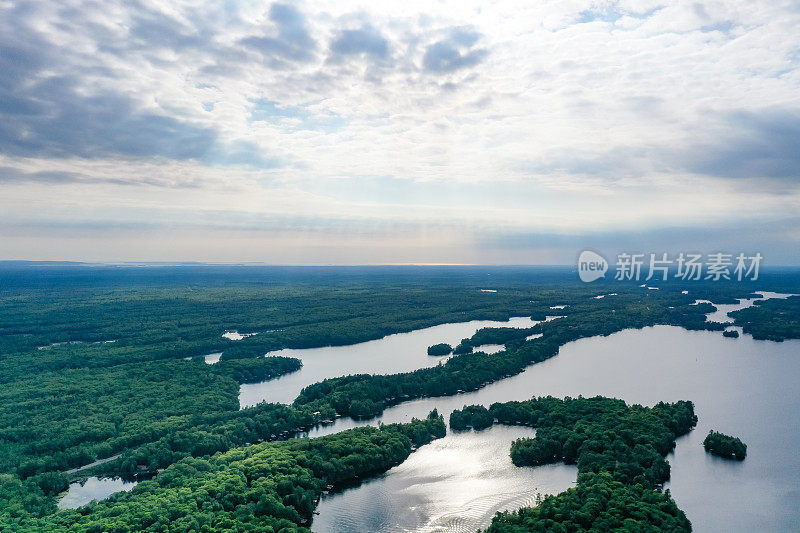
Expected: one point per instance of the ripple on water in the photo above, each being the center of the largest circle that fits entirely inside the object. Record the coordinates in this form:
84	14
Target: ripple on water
453	484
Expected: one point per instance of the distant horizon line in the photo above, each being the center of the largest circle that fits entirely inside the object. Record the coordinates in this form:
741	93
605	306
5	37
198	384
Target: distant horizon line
259	263
55	262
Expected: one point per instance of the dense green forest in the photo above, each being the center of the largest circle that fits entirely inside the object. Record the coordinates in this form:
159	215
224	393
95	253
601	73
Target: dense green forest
597	504
725	446
264	487
774	319
93	360
56	421
619	451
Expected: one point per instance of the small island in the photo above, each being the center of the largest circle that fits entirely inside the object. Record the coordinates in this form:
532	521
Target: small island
440	349
725	446
731	333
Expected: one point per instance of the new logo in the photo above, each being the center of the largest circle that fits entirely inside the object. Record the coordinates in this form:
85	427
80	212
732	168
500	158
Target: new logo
591	266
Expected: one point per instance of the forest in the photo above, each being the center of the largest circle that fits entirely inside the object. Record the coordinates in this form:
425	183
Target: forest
264	487
96	362
725	446
619	450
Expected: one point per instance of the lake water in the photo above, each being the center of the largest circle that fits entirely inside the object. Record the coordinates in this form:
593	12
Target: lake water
741	387
81	493
448	485
721	314
401	352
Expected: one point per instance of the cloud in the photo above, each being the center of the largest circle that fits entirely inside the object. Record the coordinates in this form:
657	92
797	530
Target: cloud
735	144
9	175
293	42
503	113
365	40
750	144
454	52
58	122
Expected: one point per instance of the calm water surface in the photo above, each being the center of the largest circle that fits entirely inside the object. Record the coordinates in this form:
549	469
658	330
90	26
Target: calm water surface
451	484
81	493
401	352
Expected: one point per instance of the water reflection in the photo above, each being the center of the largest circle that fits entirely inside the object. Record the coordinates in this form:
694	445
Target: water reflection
741	387
82	492
453	484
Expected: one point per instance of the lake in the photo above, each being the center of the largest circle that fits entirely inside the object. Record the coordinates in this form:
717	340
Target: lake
401	352
94	488
449	485
742	387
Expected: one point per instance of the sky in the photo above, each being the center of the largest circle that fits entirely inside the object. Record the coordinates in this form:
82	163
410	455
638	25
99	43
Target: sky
339	132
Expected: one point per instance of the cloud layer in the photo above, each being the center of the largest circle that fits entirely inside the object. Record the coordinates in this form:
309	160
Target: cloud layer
416	126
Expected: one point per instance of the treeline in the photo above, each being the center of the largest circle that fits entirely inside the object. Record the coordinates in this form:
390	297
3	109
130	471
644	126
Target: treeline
725	446
511	337
265	487
64	328
773	320
619	451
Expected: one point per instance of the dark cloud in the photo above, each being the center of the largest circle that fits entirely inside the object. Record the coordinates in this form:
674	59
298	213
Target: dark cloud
293	43
366	40
43	114
751	145
743	144
454	53
57	121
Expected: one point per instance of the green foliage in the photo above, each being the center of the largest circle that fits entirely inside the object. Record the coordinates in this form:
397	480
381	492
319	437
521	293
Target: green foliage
598	434
773	319
619	451
498	335
598	504
265	487
91	365
440	349
475	417
62	420
731	334
206	436
725	446
465	346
